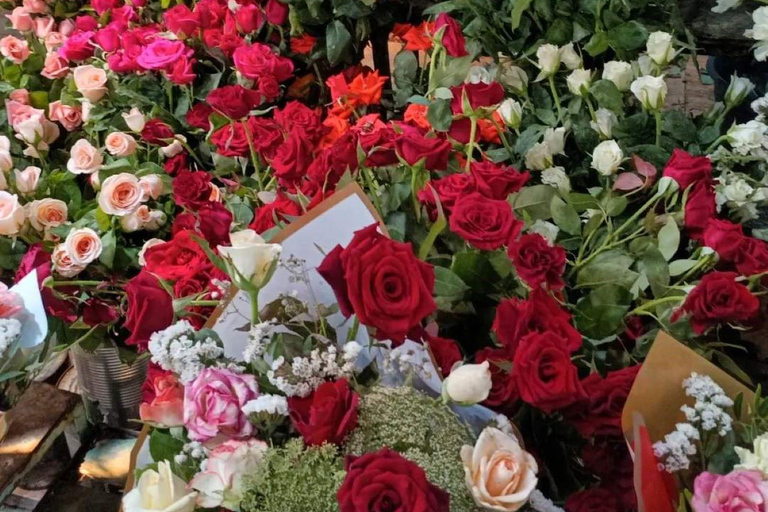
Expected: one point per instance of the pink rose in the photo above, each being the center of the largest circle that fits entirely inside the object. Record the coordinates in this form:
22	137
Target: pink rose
27	180
120	144
84	158
54	67
44	26
83	246
182	71
78	47
69	117
47	213
10	302
21	20
20	95
143	218
91	82
35	6
738	491
161	53
162	399
62	263
12	214
19	112
121	194
14	49
53	40
152	185
213	405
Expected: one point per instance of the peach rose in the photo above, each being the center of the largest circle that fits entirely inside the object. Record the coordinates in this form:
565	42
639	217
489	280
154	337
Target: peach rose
63	264
11	214
35	6
44	26
53	40
84	158
120	144
134	119
152	185
47	213
499	473
20	95
175	147
121	194
215	193
83	246
142	218
69	117
149	243
14	49
26	180
3	182
90	82
6	161
21	20
19	112
54	67
38	133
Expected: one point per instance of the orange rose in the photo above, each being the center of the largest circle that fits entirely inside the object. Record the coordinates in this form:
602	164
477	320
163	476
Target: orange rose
417	116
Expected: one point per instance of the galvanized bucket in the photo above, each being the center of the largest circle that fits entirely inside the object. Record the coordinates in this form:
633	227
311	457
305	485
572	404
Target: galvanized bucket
112	387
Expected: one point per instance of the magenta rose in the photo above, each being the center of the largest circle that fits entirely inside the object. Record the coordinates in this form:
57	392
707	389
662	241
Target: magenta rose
161	53
213	405
738	491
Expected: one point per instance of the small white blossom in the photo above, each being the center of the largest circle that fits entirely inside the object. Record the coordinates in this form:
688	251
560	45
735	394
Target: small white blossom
175	349
270	404
10	330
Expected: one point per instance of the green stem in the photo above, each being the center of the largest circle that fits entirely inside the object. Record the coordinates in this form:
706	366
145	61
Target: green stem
254	157
591	108
204	303
429	241
657	115
352	334
471	144
555	96
655	302
714	145
62	284
255	314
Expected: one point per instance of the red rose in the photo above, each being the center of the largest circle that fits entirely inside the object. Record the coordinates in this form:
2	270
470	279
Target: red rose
597	499
192	189
503	391
699	208
445	352
157	132
453	39
182	71
150	308
484	223
537	262
687	170
211	13
101	6
497	181
257	60
36	258
297	116
725	238
181	20
269	87
327	415
78	46
231	140
600	413
379	146
281	209
176	258
108	38
249	18
516	318
84	23
718	299
544	373
233	101
183	221
753	258
198	116
176	164
215	223
226	42
382	282
384	481
477	95
330	165
292	159
461	129
97	312
277	12
162	398
611	461
414	147
449	190
266	136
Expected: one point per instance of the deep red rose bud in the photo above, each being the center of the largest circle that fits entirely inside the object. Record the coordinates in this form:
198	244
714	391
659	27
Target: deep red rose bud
414	147
215	223
453	39
477	95
537	262
157	132
277	12
97	312
198	116
327	415
292	159
600	413
449	190
184	221
700	208
233	101
192	189
249	18
725	238
754	257
176	164
484	223
150	308
498	181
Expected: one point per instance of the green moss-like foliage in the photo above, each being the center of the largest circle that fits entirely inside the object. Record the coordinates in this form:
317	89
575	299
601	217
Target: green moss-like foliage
421	429
295	479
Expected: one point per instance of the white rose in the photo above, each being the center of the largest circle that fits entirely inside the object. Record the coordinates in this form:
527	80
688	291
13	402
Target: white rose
468	384
539	157
569	57
605	122
556	177
90	82
620	73
554	138
549	59
6	161
511	111
498	472
149	243
747	137
651	91
738	90
757	459
478	75
142	218
152	185
5	143
607	157
250	256
12	214
85	110
175	147
83	246
160	491
26	180
84	158
134	119
738	191
660	48
579	81
724	5
644	66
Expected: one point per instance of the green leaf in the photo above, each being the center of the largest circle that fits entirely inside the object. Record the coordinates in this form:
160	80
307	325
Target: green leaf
656	270
453	74
615	205
519	7
679	125
440	115
102	220
108	246
474	269
535	200
607	95
560	32
628	36
448	284
337	41
163	446
600	314
680	267
565	216
597	44
669	239
11	253
609	267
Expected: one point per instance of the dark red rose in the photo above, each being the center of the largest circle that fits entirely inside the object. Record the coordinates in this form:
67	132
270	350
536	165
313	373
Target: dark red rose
233	101
597	499
379	146
545	376
718	299
198	116
453	39
753	258
327	415
445	352
176	258
635	327
266	135
600	413
257	60
231	140
515	318
609	459
183	221
449	190
157	132
277	12
537	262
297	116
181	20
249	18
282	209
211	13
97	312
687	170
497	181
461	130
36	258
331	163
150	308
385	481
78	46
725	238
504	391
382	282
292	159
215	222
484	223
414	147
699	208
192	189
477	95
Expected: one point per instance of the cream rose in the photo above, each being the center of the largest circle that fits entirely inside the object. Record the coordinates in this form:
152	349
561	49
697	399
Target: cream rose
620	73
651	91
152	185
26	180
569	57
499	473
548	56
554	138
120	144
511	111
539	157
63	264
84	158
83	246
121	194
47	213
134	119
604	122
12	214
160	491
251	257
579	81
607	157
468	384
91	82
660	48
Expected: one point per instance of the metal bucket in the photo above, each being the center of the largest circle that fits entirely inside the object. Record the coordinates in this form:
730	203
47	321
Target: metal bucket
111	388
